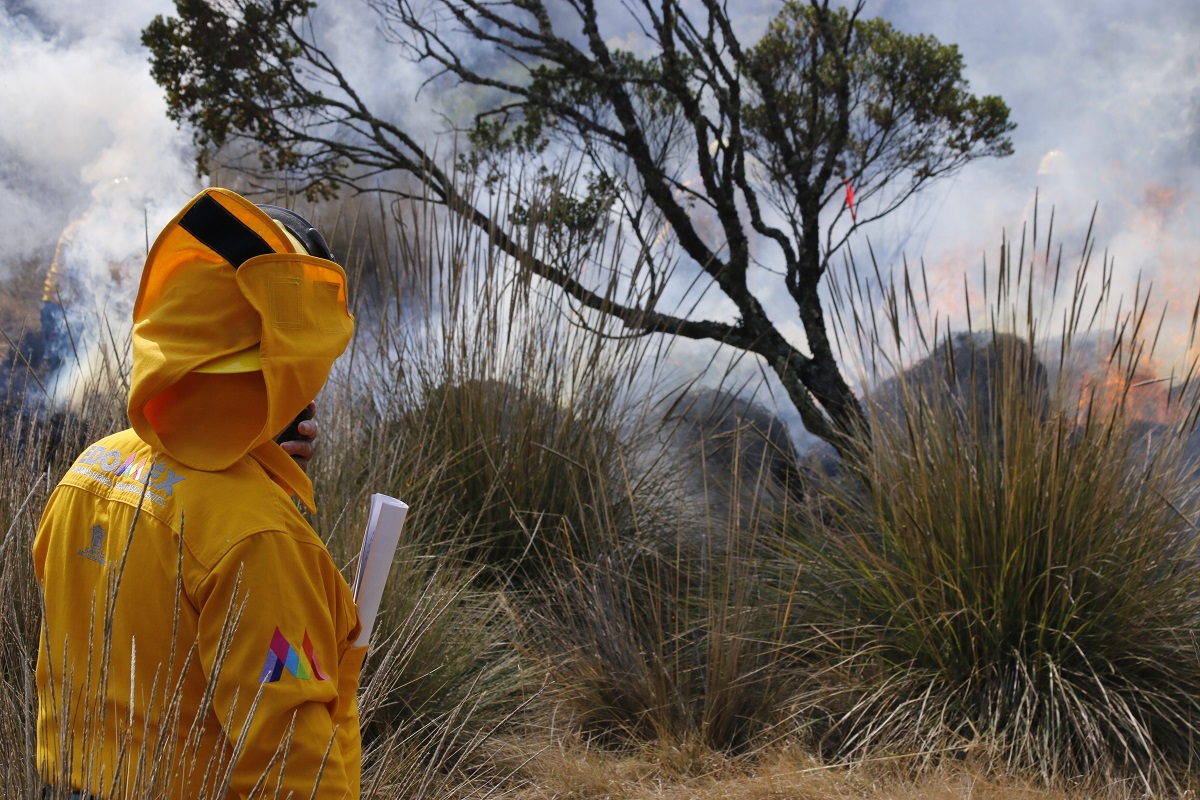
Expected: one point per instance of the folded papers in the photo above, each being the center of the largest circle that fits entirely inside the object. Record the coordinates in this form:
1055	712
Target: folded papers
384	525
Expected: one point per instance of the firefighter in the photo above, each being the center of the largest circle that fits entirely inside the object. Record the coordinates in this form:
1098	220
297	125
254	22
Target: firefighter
198	638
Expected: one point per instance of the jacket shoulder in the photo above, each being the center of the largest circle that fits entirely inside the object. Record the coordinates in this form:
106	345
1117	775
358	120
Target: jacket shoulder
121	468
211	510
220	509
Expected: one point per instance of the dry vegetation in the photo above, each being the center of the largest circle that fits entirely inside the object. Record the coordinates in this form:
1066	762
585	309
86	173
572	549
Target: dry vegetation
997	601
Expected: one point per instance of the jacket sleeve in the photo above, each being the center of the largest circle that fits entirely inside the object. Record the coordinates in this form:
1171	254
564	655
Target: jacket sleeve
273	642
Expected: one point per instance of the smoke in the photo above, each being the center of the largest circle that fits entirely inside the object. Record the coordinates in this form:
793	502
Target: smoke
90	166
1106	96
82	115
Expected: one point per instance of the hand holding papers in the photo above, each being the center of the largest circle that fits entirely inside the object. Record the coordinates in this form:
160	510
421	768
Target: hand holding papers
379	545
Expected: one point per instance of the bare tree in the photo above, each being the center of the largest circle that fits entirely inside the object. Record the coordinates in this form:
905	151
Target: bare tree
741	155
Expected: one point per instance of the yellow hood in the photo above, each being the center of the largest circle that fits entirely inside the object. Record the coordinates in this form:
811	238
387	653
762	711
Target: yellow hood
221	278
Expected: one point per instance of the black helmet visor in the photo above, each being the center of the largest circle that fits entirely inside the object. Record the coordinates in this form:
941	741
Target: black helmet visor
301	228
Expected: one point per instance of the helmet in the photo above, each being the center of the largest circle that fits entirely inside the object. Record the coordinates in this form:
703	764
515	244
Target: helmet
224	279
310	239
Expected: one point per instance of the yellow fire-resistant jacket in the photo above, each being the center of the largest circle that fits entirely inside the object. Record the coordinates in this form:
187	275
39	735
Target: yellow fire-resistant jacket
198	636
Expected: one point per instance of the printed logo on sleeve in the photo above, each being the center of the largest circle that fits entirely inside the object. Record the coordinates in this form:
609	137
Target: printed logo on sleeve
281	655
95	551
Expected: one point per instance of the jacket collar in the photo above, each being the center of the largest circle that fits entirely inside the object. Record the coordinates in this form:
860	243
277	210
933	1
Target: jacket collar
286	472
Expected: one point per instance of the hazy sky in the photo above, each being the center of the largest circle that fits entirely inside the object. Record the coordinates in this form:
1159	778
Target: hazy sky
1106	95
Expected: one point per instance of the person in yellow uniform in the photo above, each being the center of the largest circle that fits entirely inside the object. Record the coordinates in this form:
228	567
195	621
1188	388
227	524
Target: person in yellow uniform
198	638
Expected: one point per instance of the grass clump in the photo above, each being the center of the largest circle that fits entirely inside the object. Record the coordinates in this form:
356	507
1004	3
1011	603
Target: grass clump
525	445
37	448
497	418
668	638
443	680
1009	571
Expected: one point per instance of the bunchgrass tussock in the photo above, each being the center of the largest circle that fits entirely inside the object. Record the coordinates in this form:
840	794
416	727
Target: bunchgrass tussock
1008	572
444	676
36	449
486	404
666	643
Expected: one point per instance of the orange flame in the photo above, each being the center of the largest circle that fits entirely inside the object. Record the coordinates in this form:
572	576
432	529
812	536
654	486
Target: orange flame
1143	396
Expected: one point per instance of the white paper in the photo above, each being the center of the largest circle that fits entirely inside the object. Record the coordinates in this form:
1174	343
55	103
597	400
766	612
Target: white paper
384	524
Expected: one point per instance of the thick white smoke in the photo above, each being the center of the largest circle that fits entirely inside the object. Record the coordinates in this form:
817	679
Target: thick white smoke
84	125
90	166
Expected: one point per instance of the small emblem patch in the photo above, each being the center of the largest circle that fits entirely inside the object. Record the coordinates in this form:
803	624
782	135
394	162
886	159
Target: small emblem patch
95	551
